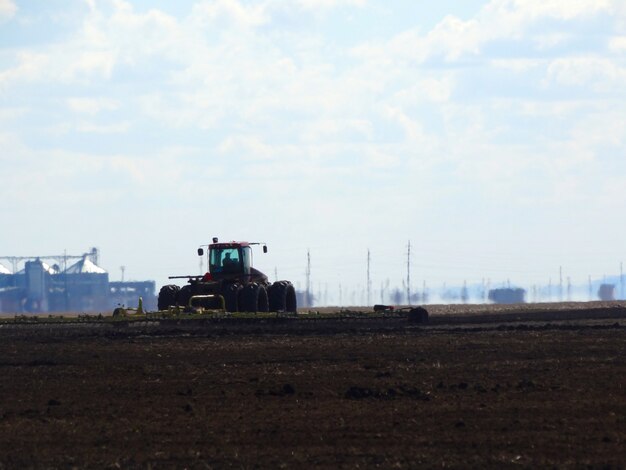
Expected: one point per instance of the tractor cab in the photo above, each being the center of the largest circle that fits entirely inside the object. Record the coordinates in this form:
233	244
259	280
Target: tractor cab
231	261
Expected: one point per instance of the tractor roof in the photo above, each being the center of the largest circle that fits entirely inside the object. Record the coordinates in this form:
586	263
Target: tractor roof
232	244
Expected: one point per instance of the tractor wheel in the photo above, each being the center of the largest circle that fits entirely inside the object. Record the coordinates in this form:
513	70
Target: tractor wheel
184	294
263	304
167	296
282	297
277	295
291	302
231	297
253	298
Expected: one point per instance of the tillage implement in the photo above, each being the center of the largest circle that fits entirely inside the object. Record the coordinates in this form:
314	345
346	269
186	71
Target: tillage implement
231	284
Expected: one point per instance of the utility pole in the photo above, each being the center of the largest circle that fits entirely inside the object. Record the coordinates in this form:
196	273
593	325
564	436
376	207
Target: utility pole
123	268
408	273
550	290
621	280
569	289
560	283
369	282
308	278
319	293
275	274
340	296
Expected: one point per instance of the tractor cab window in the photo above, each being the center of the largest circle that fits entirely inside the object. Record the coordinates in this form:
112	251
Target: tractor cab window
247	259
225	260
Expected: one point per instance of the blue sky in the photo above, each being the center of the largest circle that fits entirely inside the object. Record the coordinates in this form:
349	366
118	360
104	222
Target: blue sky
491	134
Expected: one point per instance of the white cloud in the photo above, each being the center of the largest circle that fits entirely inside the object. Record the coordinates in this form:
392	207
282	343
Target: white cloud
379	159
92	106
7	9
518	65
115	128
231	13
437	90
561	9
551	40
102	43
29	67
618	44
328	130
250	146
453	37
603	74
413	128
329	4
9	113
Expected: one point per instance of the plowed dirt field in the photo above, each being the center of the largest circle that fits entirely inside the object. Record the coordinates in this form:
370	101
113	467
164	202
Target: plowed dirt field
542	391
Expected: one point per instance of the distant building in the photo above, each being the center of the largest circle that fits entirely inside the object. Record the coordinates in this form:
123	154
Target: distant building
127	294
606	292
507	295
82	287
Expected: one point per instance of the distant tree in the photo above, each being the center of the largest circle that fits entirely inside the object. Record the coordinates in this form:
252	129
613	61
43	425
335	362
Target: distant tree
396	296
305	300
507	295
464	294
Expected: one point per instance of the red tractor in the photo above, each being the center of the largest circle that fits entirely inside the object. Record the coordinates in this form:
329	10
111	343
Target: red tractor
231	282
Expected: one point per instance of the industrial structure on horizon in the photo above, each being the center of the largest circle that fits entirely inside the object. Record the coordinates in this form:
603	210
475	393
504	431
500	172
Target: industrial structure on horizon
76	283
83	286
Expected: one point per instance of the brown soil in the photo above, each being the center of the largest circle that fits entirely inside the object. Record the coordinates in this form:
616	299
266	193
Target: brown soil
535	393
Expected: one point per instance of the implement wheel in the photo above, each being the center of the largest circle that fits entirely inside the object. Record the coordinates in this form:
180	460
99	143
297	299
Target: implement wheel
418	315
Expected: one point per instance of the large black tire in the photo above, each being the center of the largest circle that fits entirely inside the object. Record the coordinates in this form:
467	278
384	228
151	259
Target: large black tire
291	302
277	295
184	294
253	298
282	297
418	315
167	296
231	297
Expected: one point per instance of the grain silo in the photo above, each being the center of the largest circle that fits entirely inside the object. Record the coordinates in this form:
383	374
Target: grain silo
86	287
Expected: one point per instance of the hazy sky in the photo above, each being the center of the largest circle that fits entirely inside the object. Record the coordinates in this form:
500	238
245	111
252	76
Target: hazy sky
492	135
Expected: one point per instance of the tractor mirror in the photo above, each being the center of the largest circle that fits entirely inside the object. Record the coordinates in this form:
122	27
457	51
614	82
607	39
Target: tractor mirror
264	248
200	251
